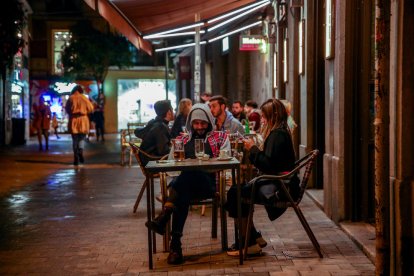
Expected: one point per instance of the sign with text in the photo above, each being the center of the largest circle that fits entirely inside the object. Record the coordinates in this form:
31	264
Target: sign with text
252	42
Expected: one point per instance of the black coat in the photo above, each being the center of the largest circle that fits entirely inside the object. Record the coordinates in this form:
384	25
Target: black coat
156	140
277	157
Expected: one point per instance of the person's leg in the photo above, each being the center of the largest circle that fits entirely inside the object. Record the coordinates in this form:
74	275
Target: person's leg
75	147
187	190
231	207
81	145
56	133
39	138
46	134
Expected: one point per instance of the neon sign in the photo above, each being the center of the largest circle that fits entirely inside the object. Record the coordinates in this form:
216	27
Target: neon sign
64	87
252	43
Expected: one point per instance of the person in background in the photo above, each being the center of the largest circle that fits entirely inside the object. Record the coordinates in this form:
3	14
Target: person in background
78	107
184	108
292	124
42	122
252	113
224	119
205	97
98	117
156	135
190	184
55	124
237	111
275	156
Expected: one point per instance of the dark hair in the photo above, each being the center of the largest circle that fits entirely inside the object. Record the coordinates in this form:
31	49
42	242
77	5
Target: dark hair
162	107
221	100
239	102
251	103
77	88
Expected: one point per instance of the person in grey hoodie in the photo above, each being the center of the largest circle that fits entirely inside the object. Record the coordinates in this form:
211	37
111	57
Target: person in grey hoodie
190	185
225	121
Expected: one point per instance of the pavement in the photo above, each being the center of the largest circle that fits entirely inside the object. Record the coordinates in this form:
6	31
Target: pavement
58	219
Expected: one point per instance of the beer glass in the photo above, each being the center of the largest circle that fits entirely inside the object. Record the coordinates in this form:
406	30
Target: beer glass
199	148
178	150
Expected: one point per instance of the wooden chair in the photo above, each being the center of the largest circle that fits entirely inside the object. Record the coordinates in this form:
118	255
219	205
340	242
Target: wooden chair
136	152
306	162
126	139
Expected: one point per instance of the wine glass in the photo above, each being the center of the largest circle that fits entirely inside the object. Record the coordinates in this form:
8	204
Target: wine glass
199	148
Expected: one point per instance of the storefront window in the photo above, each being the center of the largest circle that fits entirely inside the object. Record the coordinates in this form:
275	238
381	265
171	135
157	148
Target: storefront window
60	40
136	98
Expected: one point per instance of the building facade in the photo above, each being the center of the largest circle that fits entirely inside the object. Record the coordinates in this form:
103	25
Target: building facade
352	92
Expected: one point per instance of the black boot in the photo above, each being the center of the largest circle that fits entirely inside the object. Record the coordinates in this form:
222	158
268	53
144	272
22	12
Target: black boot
160	222
80	154
176	253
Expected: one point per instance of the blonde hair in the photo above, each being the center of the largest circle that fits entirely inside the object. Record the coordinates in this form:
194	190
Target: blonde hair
184	106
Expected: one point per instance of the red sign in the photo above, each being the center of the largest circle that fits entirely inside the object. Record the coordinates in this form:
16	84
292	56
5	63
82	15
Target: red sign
185	68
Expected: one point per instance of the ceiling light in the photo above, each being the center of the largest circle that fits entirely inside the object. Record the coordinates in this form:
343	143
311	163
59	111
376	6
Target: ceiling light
178	46
176	30
236	11
238	16
172	35
235	31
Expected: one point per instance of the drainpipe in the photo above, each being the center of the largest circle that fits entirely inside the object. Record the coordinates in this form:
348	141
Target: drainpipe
381	124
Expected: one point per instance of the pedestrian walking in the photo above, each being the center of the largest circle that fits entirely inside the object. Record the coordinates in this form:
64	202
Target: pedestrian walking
55	124
78	107
41	122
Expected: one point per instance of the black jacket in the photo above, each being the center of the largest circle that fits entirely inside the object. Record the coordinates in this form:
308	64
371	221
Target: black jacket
277	156
156	140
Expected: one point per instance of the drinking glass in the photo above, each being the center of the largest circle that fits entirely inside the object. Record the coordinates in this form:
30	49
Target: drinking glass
178	149
199	148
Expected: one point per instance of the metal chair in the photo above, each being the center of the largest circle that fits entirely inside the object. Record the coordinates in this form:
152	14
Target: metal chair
306	162
136	152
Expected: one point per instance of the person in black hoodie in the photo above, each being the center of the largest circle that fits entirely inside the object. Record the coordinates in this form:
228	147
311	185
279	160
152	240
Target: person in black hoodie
156	135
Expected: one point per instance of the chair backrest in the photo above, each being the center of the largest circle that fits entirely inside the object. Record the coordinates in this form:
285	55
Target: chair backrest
136	150
307	162
132	126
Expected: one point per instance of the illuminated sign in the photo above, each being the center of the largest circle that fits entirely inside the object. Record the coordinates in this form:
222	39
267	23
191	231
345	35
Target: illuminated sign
225	45
16	88
252	43
63	87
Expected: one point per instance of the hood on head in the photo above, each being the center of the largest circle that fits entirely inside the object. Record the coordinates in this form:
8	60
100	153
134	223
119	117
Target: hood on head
205	109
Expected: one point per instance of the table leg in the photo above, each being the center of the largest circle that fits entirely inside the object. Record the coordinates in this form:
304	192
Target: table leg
149	217
239	216
154	240
223	215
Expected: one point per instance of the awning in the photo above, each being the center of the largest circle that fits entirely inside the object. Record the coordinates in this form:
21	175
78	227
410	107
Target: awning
136	18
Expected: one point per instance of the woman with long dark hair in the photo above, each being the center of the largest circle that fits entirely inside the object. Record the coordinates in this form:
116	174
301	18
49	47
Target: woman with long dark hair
274	156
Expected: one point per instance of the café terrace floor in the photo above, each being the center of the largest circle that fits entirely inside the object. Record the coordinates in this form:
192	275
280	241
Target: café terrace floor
60	220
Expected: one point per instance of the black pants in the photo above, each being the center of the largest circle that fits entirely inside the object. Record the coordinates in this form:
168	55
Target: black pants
189	186
267	193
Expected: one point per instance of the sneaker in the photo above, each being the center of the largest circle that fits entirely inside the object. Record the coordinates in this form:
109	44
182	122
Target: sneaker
251	250
259	239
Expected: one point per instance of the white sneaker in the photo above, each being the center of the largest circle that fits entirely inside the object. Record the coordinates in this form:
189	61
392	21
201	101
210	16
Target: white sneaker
254	249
